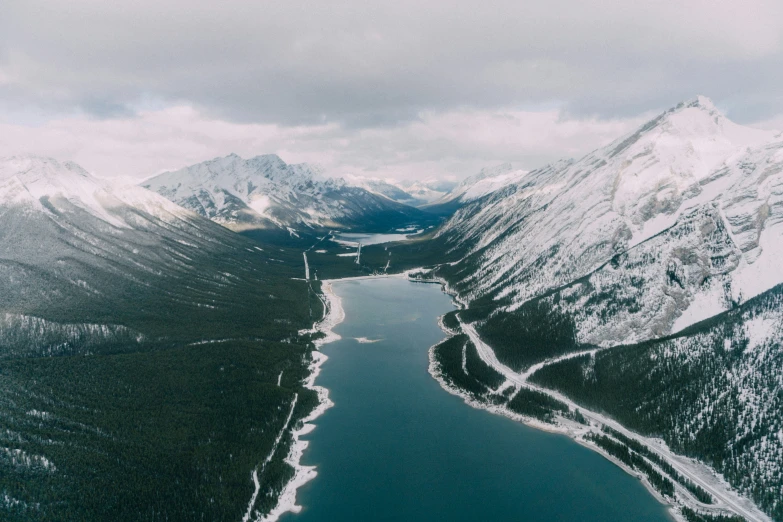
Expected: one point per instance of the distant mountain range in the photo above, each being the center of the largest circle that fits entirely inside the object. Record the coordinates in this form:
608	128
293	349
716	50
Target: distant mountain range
266	193
414	193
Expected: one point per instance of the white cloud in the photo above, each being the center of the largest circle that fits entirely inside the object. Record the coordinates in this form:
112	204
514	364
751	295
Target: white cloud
404	88
434	145
370	63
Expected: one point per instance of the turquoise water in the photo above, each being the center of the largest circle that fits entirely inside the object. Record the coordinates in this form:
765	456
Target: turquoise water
396	446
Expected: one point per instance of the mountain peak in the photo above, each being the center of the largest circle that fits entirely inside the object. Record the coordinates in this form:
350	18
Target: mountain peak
268	158
488	172
266	192
30	179
33	167
698	114
695	128
702	102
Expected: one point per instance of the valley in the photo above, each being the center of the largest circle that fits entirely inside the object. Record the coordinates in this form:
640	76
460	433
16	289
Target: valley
173	333
413	452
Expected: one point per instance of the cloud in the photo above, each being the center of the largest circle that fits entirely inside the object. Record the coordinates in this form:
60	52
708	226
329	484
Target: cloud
435	144
401	89
369	64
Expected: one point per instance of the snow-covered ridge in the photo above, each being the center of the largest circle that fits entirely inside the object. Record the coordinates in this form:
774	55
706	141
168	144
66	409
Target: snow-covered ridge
564	221
33	181
266	192
65	234
416	193
486	181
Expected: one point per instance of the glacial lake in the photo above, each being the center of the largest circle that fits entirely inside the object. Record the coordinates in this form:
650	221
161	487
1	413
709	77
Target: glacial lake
373	239
397	447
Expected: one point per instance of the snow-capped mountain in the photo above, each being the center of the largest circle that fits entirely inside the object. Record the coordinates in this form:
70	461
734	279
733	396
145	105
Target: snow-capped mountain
111	298
266	192
417	193
386	189
487	180
67	237
680	220
48	186
658	257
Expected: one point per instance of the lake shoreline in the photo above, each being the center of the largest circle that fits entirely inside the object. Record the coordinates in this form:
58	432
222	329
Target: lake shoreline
334	315
434	371
572	431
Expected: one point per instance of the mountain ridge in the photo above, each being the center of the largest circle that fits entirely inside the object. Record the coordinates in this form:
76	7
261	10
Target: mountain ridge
264	192
577	215
643	280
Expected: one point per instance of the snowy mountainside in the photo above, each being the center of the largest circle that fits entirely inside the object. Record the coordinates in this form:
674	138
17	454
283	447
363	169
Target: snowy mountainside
265	192
428	190
690	199
385	188
132	332
486	181
71	243
714	392
660	256
37	183
640	293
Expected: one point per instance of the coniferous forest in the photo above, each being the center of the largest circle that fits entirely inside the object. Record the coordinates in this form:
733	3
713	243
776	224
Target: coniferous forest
675	388
155	396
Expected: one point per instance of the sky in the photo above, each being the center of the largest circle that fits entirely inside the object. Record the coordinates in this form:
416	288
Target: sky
403	89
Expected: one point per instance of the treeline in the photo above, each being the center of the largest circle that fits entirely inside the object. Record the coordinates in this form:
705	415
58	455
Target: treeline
694	516
479	380
534	332
634	461
170	434
700	493
538	405
450	321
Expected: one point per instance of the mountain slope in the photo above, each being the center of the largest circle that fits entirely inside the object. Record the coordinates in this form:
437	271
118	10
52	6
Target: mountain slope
658	256
135	336
708	184
385	189
474	187
266	193
727	415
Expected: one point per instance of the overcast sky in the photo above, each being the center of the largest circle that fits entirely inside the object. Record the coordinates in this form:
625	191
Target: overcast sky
405	89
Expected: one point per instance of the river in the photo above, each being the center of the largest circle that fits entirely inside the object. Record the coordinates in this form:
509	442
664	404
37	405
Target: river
396	446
